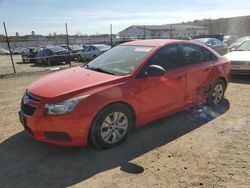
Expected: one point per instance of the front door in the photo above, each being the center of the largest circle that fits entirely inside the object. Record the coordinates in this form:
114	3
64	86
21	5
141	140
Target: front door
161	95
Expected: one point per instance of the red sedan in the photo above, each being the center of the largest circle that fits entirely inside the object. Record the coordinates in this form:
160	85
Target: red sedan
128	86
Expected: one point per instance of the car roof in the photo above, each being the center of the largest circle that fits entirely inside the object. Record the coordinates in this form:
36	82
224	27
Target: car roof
206	39
151	42
56	49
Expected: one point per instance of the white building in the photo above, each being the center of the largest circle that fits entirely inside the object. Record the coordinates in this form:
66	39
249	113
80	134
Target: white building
163	31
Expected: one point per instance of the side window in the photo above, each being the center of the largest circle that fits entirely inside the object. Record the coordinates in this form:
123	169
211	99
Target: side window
40	54
207	55
192	54
167	57
93	48
46	52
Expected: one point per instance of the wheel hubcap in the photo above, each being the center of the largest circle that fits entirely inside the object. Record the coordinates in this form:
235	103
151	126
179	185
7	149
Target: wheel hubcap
217	93
114	127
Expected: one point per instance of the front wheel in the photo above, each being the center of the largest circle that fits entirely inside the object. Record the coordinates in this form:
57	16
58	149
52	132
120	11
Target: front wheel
49	63
216	93
111	126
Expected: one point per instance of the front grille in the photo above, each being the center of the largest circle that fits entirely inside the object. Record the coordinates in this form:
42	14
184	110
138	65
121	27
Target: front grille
240	63
60	136
27	109
32	98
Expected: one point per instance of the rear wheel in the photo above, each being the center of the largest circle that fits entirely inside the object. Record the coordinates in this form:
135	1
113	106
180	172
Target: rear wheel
79	58
39	61
216	93
111	126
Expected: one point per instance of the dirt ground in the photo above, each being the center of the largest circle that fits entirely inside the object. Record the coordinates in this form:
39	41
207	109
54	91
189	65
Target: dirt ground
200	147
6	65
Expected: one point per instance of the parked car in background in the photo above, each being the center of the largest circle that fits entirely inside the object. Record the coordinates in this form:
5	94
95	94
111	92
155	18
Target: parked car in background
53	55
238	42
240	59
214	43
230	39
15	51
102	47
74	49
120	42
128	86
90	52
4	51
29	54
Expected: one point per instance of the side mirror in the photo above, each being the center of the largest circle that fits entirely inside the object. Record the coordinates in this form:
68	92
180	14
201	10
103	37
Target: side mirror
155	70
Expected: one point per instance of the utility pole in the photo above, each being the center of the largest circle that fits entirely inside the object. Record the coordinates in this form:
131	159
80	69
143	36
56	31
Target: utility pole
144	32
171	32
111	39
7	38
67	37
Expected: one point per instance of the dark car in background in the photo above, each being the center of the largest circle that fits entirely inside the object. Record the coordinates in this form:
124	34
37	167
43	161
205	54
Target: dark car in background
214	43
53	55
29	54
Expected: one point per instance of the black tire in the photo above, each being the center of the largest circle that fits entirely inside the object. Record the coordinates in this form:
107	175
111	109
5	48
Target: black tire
96	137
39	61
79	58
48	61
215	95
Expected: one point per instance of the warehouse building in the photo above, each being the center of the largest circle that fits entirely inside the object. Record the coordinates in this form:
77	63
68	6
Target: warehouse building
163	31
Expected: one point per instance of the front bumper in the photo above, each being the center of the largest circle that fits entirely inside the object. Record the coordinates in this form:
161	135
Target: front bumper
59	130
240	69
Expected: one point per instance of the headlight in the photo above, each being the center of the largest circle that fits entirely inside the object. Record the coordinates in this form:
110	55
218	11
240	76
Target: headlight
63	107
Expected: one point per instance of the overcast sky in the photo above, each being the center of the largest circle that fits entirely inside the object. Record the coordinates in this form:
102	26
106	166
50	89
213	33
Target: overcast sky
94	16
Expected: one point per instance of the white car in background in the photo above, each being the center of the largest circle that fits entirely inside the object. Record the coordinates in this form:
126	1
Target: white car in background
240	59
92	51
4	51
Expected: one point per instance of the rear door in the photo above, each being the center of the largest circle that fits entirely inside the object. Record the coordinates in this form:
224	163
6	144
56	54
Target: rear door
163	94
200	71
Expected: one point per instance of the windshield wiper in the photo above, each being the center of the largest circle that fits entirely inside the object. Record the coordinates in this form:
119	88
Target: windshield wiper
99	69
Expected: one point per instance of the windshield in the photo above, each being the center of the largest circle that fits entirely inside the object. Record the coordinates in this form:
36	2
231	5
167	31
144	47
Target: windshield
120	60
242	39
245	46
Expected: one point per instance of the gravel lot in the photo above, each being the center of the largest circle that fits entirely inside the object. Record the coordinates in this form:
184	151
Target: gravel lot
6	65
200	147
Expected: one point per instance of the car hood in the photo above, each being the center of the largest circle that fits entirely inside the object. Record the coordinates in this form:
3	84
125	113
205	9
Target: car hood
238	56
77	80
